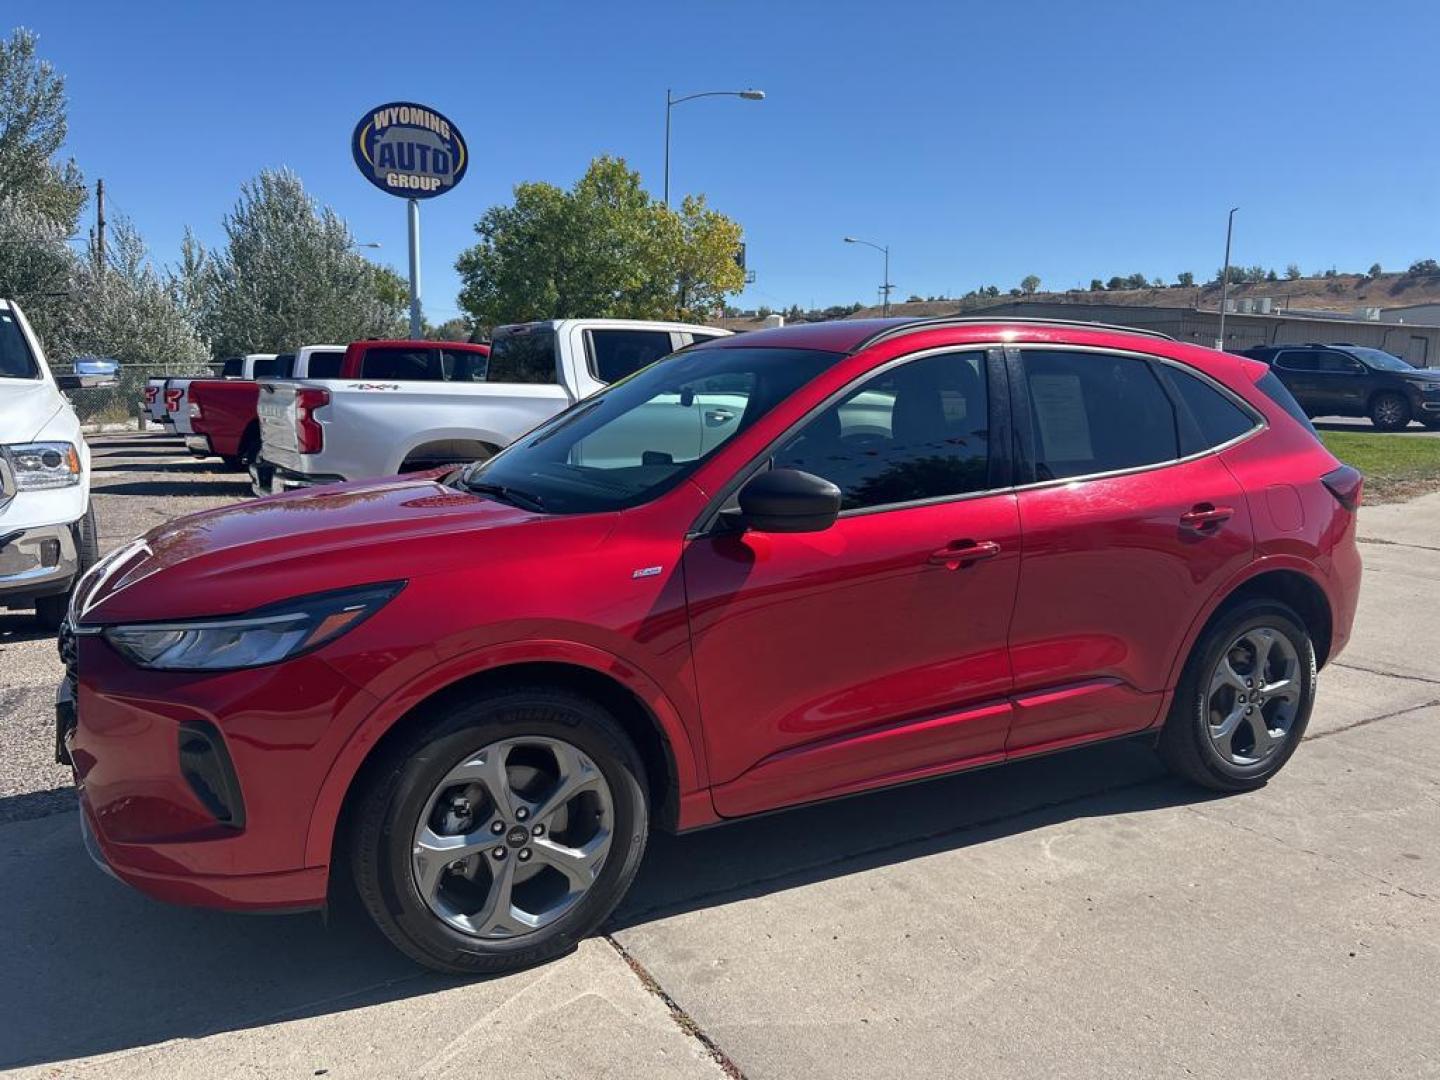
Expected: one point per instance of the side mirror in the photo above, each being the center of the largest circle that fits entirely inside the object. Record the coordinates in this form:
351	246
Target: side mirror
788	501
91	372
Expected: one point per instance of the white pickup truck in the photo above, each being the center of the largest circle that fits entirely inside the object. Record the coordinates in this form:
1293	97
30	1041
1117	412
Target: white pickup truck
47	522
403	406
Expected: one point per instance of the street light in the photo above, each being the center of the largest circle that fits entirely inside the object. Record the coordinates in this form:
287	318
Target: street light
365	244
1225	277
671	101
886	252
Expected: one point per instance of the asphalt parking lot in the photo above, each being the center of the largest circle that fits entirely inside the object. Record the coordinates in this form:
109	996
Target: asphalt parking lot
1077	916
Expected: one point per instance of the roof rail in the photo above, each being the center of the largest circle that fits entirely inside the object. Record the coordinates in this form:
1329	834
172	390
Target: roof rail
970	320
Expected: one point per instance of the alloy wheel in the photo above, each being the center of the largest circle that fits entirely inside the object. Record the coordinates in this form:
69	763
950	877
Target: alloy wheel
513	837
1254	696
1389	410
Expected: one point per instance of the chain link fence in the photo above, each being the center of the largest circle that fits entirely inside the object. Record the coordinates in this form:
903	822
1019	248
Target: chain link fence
124	402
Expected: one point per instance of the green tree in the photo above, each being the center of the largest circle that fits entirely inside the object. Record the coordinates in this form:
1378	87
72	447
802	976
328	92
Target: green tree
1424	266
456	329
289	275
36	266
1293	273
1096	285
1374	271
1029	284
32	130
1186	279
602	248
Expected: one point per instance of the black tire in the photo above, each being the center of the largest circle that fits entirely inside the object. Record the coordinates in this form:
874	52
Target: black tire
249	449
1390	412
398	789
1185	744
50	610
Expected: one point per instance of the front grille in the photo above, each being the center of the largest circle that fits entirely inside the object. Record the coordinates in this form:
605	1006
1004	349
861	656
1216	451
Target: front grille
65	642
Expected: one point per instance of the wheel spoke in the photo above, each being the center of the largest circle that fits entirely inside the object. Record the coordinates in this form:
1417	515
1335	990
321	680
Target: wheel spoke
496	916
577	773
1260	729
1226	675
1223	734
1286	689
580	865
487	768
434	852
1262	641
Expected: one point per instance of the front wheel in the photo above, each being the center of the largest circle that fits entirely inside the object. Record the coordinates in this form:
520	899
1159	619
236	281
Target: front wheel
503	833
1244	700
1390	412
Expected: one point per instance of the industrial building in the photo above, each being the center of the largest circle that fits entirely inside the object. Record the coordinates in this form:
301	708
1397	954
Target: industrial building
1415	342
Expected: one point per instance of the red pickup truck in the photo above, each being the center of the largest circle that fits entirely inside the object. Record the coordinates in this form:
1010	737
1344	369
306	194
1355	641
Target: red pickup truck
223	414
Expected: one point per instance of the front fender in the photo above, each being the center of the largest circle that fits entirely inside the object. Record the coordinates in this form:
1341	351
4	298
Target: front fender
689	765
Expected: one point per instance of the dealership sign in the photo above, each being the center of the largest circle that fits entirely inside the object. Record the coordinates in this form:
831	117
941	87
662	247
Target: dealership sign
409	150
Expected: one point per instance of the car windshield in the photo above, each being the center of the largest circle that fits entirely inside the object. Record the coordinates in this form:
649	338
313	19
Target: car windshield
643	435
16	362
1381	361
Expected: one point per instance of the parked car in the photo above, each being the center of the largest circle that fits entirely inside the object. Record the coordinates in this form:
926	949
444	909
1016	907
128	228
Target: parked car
48	535
1352	380
918	547
167	398
403	406
221	412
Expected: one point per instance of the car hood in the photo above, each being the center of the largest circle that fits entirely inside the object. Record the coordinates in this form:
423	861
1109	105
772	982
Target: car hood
1421	376
245	556
26	406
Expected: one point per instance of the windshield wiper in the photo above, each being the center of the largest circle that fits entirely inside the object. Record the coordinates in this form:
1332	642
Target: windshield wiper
501	493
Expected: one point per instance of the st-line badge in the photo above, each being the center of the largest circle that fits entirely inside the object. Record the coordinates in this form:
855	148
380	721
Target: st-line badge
409	150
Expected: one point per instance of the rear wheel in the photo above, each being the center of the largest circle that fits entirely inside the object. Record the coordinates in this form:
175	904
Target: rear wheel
1244	700
1390	412
503	833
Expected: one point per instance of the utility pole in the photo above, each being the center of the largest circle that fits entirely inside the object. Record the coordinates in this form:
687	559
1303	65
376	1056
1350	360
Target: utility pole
416	323
1225	278
100	225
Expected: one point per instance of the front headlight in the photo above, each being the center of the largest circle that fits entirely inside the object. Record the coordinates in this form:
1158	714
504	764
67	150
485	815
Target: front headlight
266	636
43	465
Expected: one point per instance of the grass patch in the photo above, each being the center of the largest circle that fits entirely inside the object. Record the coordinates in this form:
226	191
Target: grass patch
1396	467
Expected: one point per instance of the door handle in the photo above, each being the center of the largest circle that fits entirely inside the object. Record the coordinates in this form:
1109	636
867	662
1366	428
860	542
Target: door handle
1205	516
716	417
964	552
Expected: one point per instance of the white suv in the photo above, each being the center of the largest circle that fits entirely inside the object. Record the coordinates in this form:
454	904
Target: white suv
47	523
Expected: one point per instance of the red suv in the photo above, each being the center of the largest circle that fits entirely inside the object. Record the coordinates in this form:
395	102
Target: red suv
767	570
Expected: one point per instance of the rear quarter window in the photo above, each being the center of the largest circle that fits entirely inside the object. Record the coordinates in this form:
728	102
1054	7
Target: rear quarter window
403	365
523	356
1208	418
325	365
1271	386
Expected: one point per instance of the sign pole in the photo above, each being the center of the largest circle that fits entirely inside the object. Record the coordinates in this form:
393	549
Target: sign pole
415	327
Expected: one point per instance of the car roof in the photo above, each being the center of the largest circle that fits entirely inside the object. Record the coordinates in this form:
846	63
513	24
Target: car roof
852	335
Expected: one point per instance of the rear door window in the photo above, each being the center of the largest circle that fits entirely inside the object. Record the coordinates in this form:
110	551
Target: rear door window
402	364
233	368
1095	413
1297	360
615	354
524	354
275	367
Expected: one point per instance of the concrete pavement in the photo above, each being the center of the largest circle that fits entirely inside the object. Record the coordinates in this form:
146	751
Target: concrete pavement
1078	916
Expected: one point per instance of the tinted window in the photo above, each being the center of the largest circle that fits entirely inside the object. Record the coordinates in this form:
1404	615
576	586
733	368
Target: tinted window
918	431
462	365
1277	392
233	368
1338	362
15	359
1381	360
1096	413
325	365
275	367
1297	360
523	354
1208	417
402	364
617	353
640	437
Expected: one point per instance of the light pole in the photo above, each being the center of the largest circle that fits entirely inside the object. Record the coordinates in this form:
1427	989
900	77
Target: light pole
365	243
885	309
1225	277
671	101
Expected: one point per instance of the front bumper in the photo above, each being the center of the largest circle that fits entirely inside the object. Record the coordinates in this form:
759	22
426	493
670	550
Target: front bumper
38	561
232	835
269	479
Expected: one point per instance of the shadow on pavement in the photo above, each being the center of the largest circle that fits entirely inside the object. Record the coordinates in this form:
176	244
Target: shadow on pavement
20	625
105	969
173	488
138	464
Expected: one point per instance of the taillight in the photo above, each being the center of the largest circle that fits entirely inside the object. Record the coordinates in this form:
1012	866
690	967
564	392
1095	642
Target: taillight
309	435
1346	485
195	413
150	392
172	400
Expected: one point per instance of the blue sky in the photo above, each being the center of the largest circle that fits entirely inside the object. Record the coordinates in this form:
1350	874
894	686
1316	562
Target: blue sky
982	142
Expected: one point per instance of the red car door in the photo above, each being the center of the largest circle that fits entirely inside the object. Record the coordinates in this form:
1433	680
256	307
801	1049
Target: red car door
1129	530
873	651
